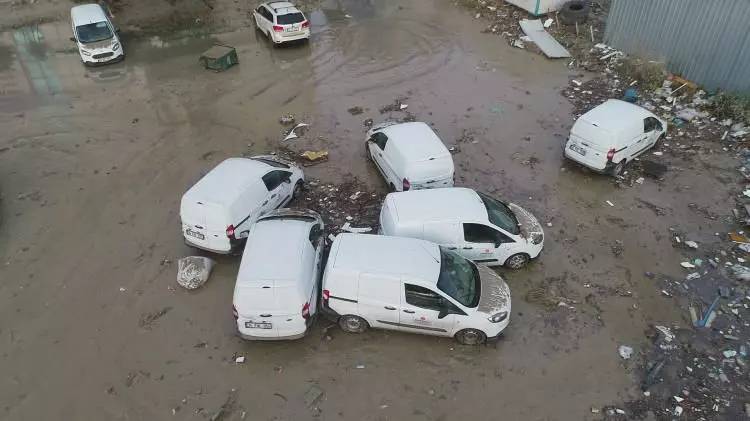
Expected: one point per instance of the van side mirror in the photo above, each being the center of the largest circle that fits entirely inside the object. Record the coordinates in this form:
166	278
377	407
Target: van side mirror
443	312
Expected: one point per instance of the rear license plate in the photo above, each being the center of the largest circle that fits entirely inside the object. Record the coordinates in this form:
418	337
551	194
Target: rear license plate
292	29
195	234
578	149
258	325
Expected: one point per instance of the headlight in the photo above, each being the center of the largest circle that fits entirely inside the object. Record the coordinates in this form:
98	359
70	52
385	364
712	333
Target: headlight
499	317
85	53
536	238
115	46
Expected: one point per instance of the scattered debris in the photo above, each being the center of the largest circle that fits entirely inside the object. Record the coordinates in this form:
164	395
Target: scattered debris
625	352
193	271
348	228
148	319
292	135
549	46
286	119
355	110
315	156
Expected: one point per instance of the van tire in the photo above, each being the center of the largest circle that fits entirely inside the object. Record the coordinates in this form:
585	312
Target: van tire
391	187
353	324
298	189
517	261
618	169
575	11
470	337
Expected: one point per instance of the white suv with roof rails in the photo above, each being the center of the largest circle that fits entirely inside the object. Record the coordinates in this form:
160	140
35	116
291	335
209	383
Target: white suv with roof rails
282	22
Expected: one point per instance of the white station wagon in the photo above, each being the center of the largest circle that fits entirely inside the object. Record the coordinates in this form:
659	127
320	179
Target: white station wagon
217	212
473	224
276	294
410	156
282	22
413	286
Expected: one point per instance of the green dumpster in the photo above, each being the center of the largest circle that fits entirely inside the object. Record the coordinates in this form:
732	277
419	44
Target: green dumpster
219	57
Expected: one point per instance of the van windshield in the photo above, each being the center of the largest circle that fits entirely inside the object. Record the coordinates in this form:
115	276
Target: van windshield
500	214
459	278
93	32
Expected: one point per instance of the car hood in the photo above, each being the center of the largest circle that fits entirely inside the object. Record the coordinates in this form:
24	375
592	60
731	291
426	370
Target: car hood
495	294
526	221
100	46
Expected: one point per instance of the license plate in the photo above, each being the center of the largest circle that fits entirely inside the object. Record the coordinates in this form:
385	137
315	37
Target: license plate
578	149
292	29
195	234
258	325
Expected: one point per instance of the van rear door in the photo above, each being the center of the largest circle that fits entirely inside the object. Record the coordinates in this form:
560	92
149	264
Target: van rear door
590	143
431	173
268	311
205	224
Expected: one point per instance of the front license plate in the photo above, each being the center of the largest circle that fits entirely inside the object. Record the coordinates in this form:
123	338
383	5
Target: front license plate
578	149
258	325
195	234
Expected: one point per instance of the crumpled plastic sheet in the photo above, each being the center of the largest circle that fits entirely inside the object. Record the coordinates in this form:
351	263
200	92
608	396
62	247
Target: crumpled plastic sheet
193	271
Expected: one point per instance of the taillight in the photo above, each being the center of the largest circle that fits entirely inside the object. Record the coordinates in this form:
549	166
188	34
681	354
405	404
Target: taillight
326	294
234	313
306	311
407	184
610	154
278	28
306	24
230	232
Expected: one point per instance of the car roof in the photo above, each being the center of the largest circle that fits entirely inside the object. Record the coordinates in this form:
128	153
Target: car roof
445	204
227	180
273	253
383	254
415	140
86	14
282	7
616	115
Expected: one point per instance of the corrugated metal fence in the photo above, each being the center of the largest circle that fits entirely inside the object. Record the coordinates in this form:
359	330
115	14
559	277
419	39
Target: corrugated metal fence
706	41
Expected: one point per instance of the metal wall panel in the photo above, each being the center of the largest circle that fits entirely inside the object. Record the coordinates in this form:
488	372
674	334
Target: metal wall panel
706	41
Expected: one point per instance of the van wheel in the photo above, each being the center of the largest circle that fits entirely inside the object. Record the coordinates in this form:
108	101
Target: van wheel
617	170
471	337
517	261
353	324
298	189
391	187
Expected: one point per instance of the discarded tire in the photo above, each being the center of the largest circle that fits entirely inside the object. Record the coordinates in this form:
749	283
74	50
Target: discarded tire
575	11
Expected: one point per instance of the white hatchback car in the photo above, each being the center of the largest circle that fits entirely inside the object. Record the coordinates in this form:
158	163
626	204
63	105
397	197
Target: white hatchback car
473	224
282	22
276	294
218	211
612	134
410	156
95	35
413	286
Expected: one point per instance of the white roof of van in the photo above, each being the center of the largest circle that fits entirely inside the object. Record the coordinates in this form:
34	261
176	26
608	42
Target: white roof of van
273	253
228	179
383	254
445	204
415	140
86	14
616	115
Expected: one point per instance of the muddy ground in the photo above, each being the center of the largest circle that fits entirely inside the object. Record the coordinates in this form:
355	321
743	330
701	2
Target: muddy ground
93	163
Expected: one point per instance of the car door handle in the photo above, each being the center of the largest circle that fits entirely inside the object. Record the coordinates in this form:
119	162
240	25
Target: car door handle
468	248
409	311
389	308
265	315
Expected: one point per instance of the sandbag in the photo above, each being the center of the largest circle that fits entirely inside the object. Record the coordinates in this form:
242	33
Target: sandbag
193	271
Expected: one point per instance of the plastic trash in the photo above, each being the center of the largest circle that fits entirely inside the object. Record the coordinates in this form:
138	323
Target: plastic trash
742	273
193	271
625	352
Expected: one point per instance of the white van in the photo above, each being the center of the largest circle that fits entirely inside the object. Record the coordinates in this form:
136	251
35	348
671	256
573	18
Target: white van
410	156
613	134
95	35
276	294
219	209
413	286
473	224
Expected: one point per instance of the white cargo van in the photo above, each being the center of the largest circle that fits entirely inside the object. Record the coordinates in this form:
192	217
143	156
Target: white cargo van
413	286
613	134
410	156
276	293
473	224
219	209
95	35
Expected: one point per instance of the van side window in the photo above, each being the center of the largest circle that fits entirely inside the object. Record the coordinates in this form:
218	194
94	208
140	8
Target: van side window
423	297
650	124
478	233
274	178
315	233
380	139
